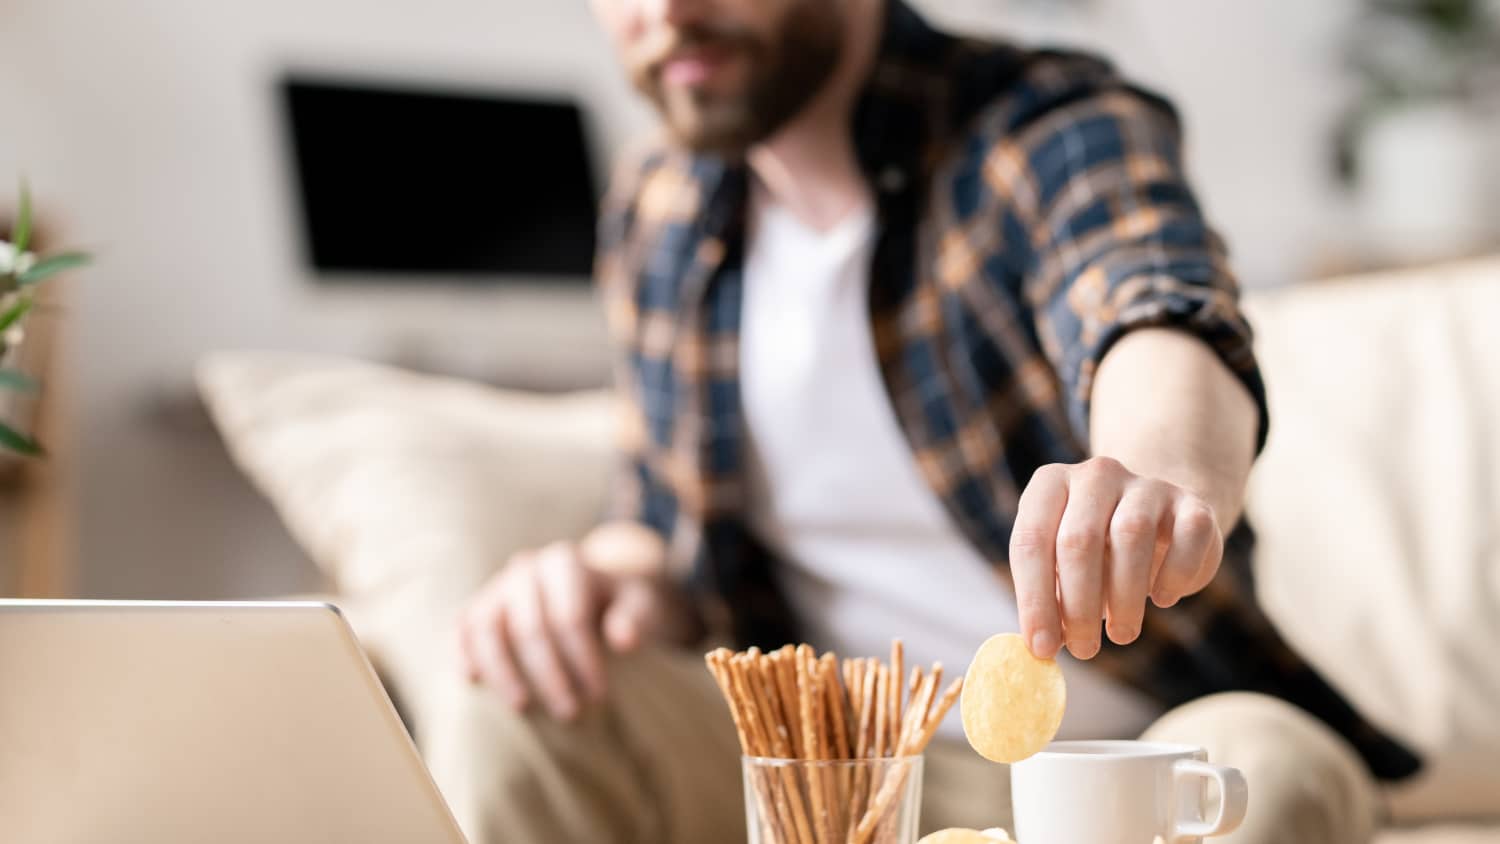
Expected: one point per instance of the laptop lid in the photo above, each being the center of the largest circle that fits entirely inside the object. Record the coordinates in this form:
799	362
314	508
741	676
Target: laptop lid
172	723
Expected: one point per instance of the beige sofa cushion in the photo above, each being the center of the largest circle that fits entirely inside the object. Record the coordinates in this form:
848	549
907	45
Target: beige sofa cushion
408	490
385	476
1378	506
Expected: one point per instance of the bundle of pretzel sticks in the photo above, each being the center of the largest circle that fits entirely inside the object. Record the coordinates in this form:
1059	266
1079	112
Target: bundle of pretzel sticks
795	704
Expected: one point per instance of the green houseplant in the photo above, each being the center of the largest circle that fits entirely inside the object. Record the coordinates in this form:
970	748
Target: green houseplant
21	272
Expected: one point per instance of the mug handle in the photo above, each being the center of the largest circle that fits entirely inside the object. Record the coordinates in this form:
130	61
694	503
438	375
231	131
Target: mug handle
1232	804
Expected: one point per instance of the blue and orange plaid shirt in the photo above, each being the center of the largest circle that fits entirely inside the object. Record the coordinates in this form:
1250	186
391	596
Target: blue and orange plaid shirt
1032	210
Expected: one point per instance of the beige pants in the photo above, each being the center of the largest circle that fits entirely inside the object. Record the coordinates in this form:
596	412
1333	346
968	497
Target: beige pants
660	763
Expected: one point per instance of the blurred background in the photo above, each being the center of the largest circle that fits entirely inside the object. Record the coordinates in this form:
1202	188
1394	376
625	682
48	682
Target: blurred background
319	175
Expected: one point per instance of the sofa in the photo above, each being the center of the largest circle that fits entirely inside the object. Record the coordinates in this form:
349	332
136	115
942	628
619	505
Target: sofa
1377	502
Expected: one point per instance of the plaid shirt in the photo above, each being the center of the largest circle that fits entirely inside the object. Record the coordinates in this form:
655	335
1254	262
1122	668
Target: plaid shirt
1033	209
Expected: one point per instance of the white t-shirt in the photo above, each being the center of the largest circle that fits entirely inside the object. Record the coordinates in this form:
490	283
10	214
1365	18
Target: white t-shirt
870	552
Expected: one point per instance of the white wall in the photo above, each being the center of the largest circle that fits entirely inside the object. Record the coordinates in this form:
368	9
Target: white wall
150	122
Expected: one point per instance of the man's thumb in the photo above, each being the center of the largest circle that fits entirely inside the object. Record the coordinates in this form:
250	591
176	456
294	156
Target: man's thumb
632	616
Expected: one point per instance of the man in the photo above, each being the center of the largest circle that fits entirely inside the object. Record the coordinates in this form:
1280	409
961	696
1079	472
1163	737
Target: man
919	337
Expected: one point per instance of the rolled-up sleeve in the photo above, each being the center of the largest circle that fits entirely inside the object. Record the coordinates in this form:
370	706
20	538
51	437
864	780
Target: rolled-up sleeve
1108	237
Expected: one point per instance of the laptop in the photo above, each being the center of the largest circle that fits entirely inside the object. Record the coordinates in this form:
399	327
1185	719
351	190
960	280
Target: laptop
183	723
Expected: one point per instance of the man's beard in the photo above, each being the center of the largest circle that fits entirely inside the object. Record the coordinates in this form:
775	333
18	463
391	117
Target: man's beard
784	72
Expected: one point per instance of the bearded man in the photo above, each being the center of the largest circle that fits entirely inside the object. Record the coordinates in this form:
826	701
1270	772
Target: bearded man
918	336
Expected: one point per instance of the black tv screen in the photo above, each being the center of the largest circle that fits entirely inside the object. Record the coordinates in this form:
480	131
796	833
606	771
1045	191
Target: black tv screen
439	184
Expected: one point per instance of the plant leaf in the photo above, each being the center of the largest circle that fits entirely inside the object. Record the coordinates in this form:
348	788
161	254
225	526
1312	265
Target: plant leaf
49	267
20	236
16	311
18	442
18	382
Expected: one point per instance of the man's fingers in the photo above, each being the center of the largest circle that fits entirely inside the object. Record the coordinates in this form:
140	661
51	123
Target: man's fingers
570	605
1133	532
468	663
633	616
493	660
1195	535
1033	559
532	641
1209	568
1093	491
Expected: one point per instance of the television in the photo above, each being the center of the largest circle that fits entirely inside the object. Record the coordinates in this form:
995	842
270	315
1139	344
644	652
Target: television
420	184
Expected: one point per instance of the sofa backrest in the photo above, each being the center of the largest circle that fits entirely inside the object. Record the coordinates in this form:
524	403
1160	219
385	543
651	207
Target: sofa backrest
1377	502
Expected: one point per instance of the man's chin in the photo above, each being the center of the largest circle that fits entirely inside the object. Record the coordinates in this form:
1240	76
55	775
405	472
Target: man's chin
726	133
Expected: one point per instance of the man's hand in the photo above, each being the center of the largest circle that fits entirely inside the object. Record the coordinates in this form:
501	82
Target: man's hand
539	628
1092	541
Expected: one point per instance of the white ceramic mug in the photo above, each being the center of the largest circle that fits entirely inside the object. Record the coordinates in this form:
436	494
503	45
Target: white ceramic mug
1122	792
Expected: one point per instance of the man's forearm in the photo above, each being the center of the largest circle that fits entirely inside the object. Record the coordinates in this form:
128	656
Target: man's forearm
1165	406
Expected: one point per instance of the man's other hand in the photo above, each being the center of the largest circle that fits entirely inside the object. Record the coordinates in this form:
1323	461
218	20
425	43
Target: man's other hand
1093	541
538	630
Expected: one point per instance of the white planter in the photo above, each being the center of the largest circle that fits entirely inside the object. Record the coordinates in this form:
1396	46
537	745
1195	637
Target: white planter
1430	183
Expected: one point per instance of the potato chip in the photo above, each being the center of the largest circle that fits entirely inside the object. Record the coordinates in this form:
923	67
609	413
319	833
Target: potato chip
1012	702
968	836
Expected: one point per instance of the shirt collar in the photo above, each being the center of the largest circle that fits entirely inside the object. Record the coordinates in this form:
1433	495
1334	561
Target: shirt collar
903	102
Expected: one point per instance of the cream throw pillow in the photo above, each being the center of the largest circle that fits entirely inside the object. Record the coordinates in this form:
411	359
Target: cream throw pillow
1378	507
386	476
409	490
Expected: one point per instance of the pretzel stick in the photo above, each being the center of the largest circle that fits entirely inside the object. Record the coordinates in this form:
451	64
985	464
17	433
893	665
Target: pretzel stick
916	713
921	704
740	670
836	706
825	778
913	711
857	696
809	690
786	703
715	660
898	654
789	798
935	683
898	729
856	734
786	679
939	712
760	742
864	747
890	786
896	777
803	821
718	664
769	692
879	743
871	700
